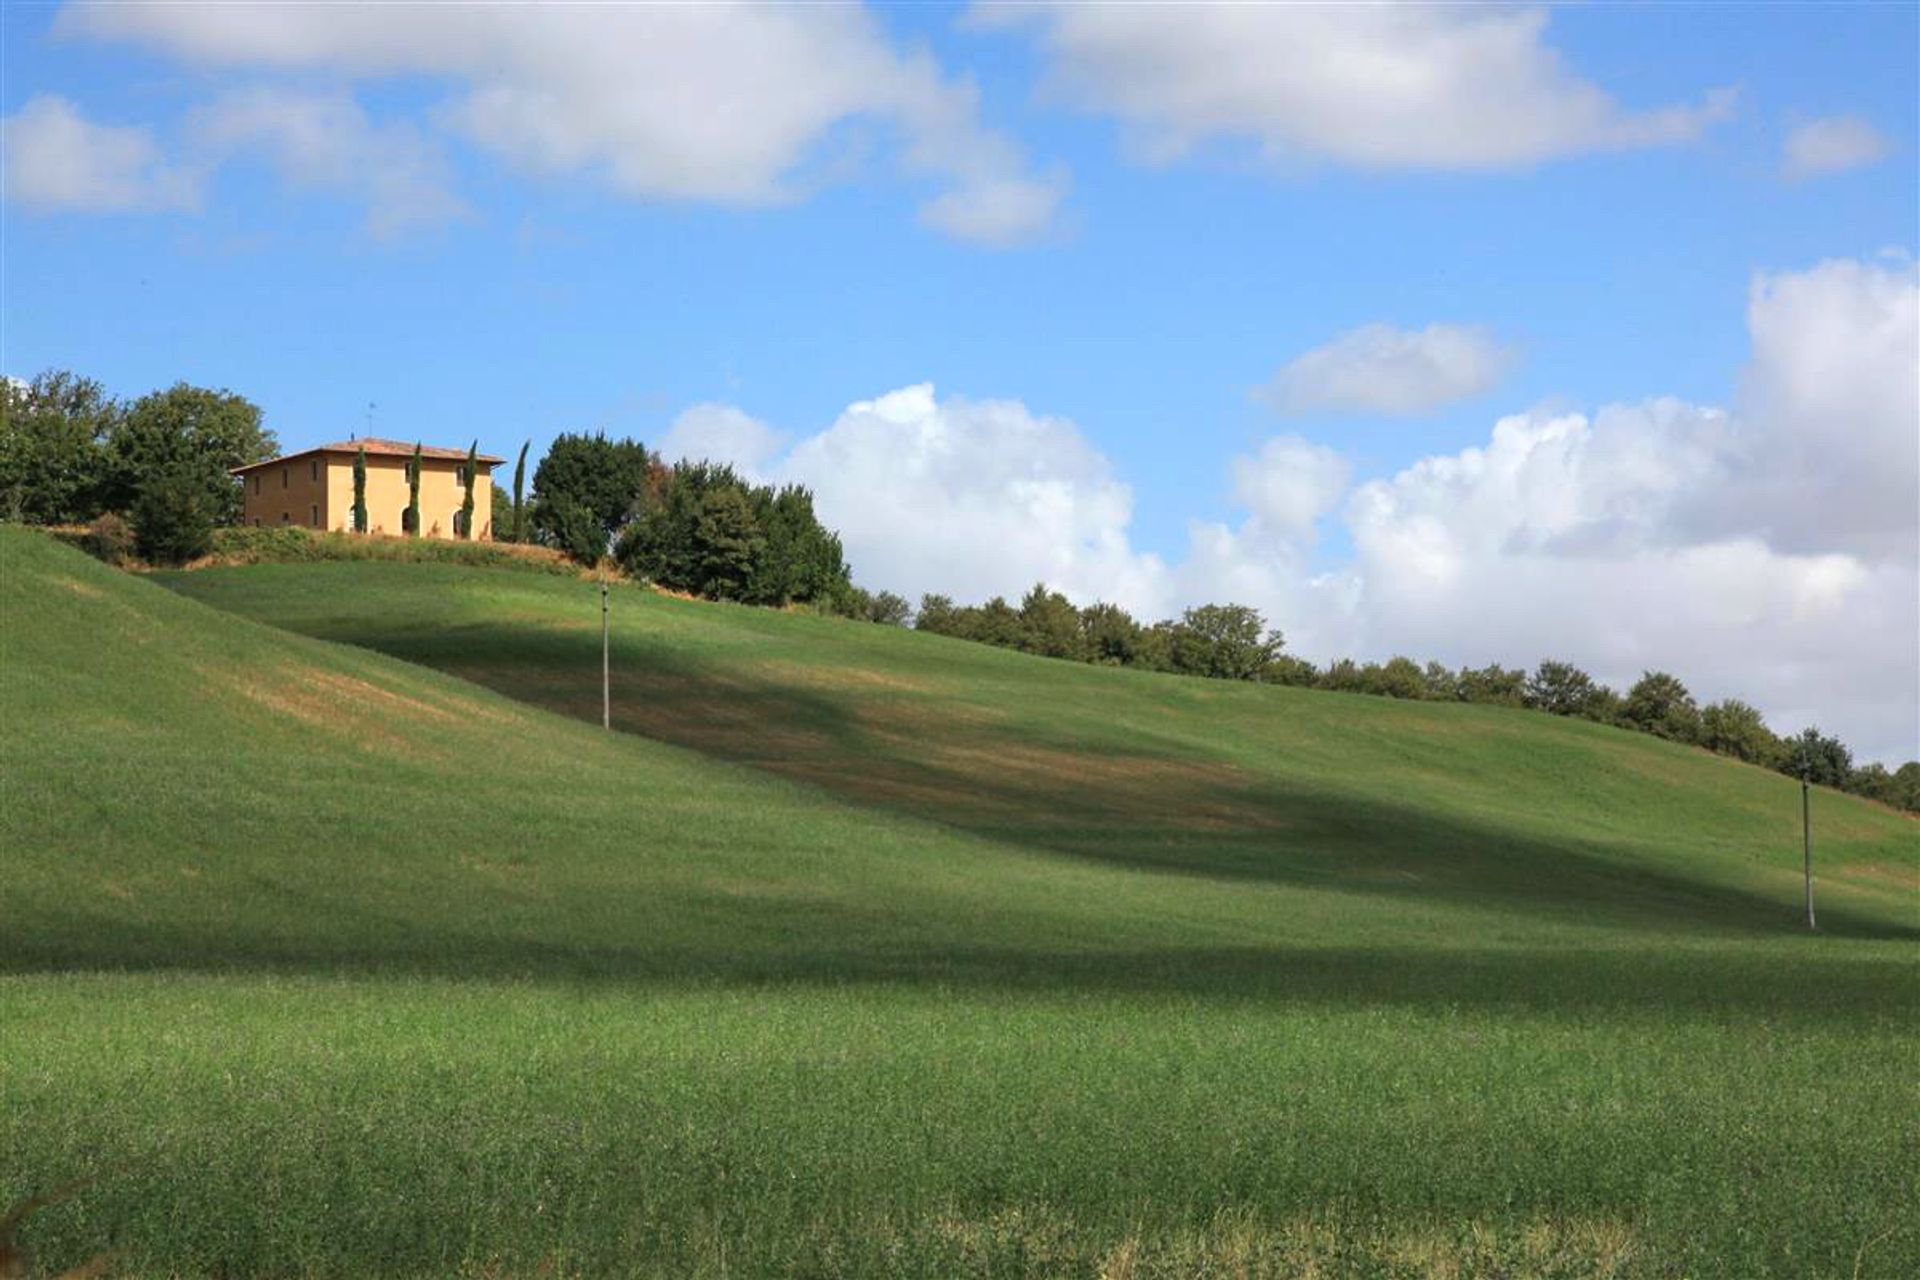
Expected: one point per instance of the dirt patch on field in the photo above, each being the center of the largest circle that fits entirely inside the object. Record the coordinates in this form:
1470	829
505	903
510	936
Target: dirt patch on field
1879	873
337	703
78	588
830	677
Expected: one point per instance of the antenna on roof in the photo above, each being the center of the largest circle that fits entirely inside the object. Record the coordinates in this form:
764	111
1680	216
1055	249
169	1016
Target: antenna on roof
371	406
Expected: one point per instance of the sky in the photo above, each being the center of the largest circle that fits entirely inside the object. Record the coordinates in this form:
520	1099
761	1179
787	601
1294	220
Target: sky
1474	334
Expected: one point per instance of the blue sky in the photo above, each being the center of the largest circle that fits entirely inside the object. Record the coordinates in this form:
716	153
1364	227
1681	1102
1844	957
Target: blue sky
554	273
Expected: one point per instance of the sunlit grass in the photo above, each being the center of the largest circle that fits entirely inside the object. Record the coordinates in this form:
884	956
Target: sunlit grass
954	962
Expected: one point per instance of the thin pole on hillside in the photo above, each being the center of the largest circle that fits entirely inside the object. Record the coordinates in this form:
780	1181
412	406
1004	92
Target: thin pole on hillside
1806	838
606	666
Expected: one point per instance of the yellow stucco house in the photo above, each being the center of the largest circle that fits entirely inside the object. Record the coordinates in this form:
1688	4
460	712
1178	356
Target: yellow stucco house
315	489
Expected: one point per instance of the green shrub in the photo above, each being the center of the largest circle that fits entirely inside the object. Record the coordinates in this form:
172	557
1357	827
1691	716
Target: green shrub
173	514
292	544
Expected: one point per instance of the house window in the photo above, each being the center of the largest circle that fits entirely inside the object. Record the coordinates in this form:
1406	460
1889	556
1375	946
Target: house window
284	473
256	486
315	516
313	469
286	517
459	525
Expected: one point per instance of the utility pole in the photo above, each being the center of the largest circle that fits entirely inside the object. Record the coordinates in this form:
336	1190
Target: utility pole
1806	837
606	685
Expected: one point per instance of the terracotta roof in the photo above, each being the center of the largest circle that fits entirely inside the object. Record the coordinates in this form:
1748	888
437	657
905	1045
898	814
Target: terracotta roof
375	448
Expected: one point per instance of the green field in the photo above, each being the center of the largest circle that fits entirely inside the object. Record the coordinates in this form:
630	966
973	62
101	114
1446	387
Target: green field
356	948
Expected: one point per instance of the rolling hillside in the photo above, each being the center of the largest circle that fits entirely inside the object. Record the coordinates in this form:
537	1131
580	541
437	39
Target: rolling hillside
861	952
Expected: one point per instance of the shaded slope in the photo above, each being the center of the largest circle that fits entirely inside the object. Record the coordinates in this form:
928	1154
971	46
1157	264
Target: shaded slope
1410	803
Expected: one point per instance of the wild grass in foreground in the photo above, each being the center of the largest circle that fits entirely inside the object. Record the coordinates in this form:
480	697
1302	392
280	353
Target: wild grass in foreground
322	964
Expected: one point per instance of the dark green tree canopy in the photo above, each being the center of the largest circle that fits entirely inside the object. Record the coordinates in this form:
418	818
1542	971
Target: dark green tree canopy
1224	641
53	460
1561	689
608	479
187	429
1659	704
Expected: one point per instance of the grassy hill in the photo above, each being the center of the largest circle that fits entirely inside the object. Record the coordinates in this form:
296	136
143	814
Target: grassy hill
864	952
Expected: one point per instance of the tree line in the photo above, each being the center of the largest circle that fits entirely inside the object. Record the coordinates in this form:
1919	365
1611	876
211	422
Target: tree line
155	468
71	454
1233	642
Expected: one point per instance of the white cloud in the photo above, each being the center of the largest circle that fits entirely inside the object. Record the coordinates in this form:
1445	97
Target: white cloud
1004	212
1830	145
1765	552
327	142
1290	484
721	433
1375	86
1380	369
730	103
55	159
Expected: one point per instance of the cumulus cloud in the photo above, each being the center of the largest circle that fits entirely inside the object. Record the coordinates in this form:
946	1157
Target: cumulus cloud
1830	145
1376	86
1765	551
722	433
326	141
1378	369
57	160
736	104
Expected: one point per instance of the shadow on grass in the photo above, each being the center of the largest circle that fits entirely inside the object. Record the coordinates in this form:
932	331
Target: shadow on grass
921	756
767	950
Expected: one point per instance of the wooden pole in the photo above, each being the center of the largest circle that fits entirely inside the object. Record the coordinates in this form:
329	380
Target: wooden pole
1806	840
606	667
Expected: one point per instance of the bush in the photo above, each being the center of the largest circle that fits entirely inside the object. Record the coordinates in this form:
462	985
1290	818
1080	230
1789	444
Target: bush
293	544
173	515
889	610
110	539
574	530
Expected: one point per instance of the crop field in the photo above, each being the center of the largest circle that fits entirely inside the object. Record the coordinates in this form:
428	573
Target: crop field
337	939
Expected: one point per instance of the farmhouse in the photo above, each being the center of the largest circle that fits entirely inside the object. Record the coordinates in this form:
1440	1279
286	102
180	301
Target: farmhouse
315	489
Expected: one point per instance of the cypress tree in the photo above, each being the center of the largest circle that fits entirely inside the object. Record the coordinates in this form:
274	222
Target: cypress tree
360	490
466	479
413	493
519	484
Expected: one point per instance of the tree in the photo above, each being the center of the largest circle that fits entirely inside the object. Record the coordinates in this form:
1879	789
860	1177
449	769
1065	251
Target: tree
411	520
360	490
800	559
1734	728
53	458
728	542
1343	675
207	432
1560	689
467	475
1814	756
1109	635
1224	642
1050	625
1398	677
608	478
575	530
1906	786
889	610
1659	704
518	530
1289	670
936	614
1442	685
1493	684
173	514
